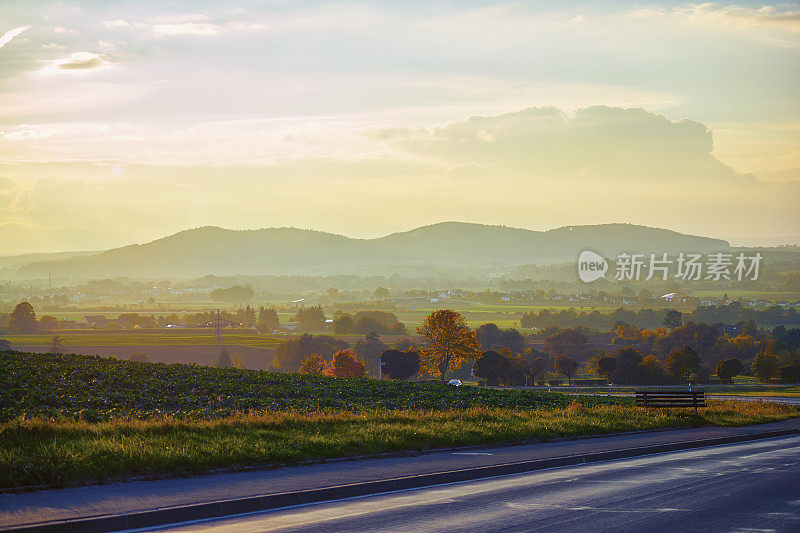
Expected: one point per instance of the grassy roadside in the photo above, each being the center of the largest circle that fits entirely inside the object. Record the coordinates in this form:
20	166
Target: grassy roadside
794	392
62	453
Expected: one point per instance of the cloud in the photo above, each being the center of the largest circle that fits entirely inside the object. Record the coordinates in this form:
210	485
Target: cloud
15	199
118	23
28	131
762	23
597	142
186	28
8	36
77	61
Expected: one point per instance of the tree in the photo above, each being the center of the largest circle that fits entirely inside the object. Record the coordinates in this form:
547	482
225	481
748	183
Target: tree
673	319
750	329
567	366
400	365
536	367
381	293
243	293
491	366
682	363
369	325
790	372
628	360
727	369
48	323
764	367
368	349
290	354
313	364
568	342
650	371
607	366
345	364
488	336
404	345
344	324
56	345
23	319
310	319
448	342
267	320
491	337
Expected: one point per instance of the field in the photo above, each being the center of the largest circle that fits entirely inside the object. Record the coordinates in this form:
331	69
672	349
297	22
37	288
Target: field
504	315
70	420
132	338
251	357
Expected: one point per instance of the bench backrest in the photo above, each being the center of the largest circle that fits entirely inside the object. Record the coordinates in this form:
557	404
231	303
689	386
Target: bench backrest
674	398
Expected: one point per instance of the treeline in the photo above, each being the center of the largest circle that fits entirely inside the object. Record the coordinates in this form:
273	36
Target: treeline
237	293
290	355
364	322
731	313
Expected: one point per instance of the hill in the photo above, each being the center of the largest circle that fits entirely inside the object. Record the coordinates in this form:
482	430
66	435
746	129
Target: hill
212	250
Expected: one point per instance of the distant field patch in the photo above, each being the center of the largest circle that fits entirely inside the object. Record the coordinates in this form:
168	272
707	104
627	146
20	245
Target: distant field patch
93	338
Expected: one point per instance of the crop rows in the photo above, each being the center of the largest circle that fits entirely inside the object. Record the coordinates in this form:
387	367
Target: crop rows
95	388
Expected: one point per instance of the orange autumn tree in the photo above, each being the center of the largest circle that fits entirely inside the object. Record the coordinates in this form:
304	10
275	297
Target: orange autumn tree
447	342
314	365
345	364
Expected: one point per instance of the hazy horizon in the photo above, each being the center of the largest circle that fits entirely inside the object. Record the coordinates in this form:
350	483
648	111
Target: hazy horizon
124	124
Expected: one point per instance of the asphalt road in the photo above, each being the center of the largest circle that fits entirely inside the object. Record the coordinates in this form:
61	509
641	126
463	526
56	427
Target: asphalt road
737	487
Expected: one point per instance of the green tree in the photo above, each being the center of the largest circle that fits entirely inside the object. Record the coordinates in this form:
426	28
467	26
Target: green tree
490	366
23	319
310	319
267	320
344	324
566	342
400	365
682	363
764	367
567	366
607	366
673	319
749	328
368	349
790	372
727	369
381	293
628	361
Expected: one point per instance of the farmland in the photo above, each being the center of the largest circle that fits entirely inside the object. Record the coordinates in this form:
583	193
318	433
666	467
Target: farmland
71	420
132	338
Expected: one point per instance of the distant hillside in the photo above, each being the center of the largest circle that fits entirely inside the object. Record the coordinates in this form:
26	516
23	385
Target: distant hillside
211	250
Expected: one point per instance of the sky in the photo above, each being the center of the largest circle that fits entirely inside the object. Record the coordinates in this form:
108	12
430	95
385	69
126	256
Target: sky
123	122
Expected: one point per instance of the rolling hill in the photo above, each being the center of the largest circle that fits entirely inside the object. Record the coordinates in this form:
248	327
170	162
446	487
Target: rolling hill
212	250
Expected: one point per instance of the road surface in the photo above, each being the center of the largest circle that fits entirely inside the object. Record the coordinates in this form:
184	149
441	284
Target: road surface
737	487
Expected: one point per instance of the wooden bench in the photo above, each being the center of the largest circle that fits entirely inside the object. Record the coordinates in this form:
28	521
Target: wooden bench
671	398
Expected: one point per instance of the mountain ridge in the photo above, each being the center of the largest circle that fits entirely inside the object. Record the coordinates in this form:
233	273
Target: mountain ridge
205	250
